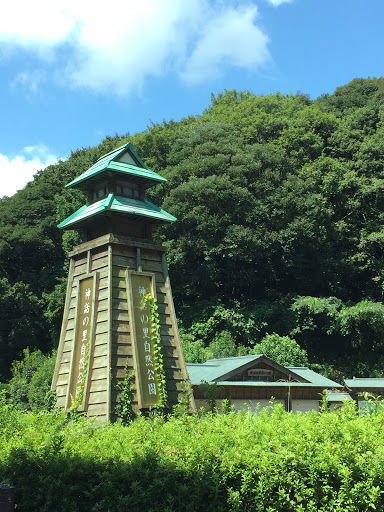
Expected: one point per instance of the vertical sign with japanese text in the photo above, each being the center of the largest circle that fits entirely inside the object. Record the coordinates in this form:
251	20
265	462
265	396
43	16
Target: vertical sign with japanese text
140	285
84	324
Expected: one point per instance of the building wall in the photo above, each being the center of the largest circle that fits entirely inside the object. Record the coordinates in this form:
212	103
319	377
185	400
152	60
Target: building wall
296	399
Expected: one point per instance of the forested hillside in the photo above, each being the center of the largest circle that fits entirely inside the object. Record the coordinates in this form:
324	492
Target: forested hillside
279	201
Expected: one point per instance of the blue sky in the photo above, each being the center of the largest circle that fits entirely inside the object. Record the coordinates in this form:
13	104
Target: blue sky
74	71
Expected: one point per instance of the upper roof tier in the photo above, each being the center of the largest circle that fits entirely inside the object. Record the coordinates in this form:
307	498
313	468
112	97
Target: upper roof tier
121	161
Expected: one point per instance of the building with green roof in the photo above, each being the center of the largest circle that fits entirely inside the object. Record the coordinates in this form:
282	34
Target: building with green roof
252	381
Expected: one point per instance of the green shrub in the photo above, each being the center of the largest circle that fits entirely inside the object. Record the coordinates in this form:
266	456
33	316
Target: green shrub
282	349
30	385
271	461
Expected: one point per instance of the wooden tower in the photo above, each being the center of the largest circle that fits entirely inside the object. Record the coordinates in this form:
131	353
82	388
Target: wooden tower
105	332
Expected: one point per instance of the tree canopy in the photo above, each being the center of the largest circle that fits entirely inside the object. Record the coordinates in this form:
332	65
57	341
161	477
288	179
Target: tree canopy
279	201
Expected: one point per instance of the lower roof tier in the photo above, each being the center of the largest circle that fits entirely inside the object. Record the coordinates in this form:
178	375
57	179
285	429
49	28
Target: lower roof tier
120	205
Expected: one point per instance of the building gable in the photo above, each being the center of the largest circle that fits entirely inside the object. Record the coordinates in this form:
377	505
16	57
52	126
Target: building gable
257	368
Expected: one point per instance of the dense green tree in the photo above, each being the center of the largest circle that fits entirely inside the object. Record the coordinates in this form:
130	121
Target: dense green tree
29	387
282	349
280	209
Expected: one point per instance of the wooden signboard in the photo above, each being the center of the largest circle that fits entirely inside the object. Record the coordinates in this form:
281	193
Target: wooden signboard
260	372
139	284
83	343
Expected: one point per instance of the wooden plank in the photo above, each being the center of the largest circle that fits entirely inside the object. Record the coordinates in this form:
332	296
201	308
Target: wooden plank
118	361
68	345
97	409
118	282
119	373
103	273
71	312
163	309
98	373
99	385
100	362
88	246
81	260
172	374
100	339
98	397
63	326
116	394
169	341
66	357
119	293
64	368
171	363
120	304
121	350
160	296
166	330
103	283
151	266
80	270
102	304
122	327
101	350
100	263
169	351
99	252
123	339
99	418
127	241
165	320
62	380
60	402
61	391
121	252
102	316
122	266
118	271
103	294
120	315
152	255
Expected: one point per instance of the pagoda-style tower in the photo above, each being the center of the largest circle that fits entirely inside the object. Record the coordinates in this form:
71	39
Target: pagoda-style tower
106	332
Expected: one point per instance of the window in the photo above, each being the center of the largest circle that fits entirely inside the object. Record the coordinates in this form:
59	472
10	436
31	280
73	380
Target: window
130	190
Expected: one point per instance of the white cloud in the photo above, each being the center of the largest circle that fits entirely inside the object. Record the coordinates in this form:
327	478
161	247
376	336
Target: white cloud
231	39
115	48
29	81
17	171
276	3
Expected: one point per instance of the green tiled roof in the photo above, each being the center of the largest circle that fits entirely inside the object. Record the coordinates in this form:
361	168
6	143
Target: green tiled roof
314	378
219	370
110	162
361	383
117	204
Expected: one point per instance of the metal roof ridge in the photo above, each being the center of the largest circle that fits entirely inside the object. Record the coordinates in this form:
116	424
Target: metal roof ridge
111	152
233	357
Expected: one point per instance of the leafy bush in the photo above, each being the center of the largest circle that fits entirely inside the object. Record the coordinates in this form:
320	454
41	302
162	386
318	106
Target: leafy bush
271	461
31	381
282	349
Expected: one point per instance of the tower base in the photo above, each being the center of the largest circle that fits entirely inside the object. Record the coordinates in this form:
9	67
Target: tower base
101	342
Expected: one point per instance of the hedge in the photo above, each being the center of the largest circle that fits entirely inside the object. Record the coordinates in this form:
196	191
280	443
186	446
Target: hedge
270	461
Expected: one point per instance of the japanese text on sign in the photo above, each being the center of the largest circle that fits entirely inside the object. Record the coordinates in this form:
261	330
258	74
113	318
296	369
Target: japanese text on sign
83	334
141	286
